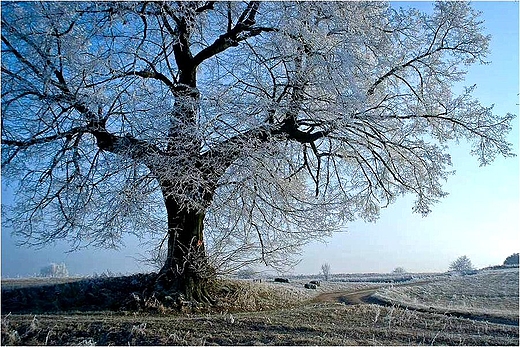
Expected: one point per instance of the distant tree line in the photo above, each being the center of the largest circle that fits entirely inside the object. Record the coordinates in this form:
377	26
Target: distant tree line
463	264
511	260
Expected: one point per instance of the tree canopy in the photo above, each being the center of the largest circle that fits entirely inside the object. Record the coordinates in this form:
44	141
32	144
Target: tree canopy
265	125
462	264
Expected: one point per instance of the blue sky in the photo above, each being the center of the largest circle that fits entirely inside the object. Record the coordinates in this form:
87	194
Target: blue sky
479	218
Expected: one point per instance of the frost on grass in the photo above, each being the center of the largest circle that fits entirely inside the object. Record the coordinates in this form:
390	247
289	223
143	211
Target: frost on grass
247	296
489	292
243	295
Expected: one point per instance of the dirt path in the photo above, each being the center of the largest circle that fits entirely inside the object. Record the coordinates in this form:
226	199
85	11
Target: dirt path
359	296
364	296
349	298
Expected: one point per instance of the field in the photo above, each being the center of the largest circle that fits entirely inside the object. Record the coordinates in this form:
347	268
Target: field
36	282
489	293
338	313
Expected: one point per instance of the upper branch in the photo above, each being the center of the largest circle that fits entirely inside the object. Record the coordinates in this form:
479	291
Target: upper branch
243	29
398	68
207	6
41	140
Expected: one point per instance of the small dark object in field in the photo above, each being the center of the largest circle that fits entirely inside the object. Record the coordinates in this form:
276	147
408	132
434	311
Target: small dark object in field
259	280
311	286
281	280
470	272
315	282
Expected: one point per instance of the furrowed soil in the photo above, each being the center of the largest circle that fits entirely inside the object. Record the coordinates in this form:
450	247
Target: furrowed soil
279	314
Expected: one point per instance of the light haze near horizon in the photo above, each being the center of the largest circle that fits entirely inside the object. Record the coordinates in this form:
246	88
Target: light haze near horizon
479	218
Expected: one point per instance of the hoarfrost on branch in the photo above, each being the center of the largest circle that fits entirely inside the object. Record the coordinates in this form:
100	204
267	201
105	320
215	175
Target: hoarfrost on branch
273	123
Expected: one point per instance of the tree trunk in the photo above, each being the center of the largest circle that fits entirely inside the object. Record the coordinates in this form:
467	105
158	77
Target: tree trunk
186	269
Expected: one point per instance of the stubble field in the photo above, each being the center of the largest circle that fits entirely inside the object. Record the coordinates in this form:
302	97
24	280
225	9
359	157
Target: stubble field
338	313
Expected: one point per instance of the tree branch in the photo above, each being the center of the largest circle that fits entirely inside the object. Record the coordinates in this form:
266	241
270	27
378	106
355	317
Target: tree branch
42	140
231	37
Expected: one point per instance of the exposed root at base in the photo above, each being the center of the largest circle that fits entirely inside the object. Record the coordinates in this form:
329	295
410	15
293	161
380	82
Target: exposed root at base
166	293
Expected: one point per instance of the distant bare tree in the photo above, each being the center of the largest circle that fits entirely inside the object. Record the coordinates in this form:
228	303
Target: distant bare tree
325	270
399	270
462	264
54	270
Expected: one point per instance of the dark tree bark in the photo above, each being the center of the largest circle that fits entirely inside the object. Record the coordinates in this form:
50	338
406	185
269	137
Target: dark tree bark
186	268
363	135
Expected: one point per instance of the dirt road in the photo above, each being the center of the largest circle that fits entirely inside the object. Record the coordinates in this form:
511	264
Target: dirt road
359	296
349	298
364	296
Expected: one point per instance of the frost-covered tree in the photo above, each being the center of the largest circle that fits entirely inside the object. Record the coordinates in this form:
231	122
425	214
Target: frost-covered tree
325	270
236	131
54	270
399	270
462	264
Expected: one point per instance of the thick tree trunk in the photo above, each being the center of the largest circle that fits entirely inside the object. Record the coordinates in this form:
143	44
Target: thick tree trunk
186	269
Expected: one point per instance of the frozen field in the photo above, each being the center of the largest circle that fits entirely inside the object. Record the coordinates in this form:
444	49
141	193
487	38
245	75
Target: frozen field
493	292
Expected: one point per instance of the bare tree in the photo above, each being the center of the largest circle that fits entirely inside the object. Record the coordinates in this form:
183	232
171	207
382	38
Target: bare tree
462	264
399	270
325	270
54	270
235	131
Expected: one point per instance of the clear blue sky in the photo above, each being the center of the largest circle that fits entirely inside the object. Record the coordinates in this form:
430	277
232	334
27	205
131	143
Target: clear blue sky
479	218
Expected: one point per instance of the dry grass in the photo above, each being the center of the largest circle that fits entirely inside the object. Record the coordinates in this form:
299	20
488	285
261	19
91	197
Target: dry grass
239	295
320	324
267	313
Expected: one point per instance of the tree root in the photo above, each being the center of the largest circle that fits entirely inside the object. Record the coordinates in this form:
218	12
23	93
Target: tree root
168	291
